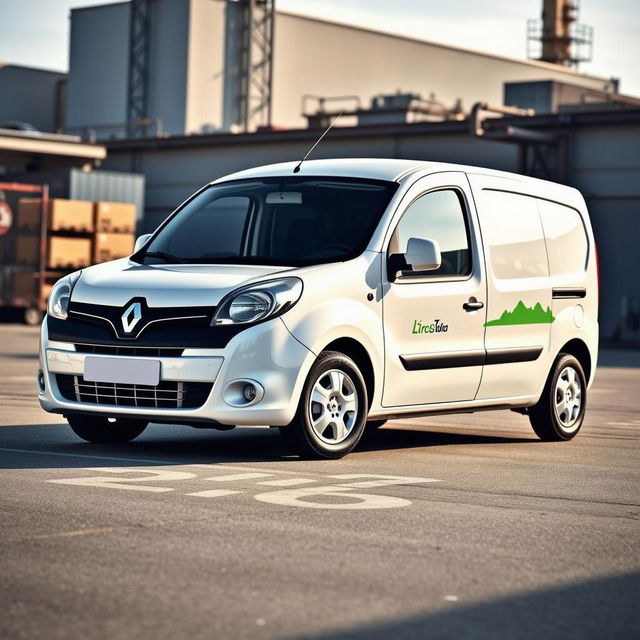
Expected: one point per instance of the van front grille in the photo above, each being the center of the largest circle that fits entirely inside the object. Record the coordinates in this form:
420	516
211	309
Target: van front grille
149	352
167	394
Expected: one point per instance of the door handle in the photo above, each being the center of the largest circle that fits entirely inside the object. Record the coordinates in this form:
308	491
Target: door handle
472	305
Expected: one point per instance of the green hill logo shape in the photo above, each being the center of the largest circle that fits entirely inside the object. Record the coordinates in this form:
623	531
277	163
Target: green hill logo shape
522	314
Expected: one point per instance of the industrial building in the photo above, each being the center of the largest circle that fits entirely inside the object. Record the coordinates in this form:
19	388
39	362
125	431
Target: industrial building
185	72
184	91
34	96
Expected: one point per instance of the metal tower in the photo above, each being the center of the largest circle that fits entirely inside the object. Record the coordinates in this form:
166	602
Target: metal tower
558	38
138	81
256	63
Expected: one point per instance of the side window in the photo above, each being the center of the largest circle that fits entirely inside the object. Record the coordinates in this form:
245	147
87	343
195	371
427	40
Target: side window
512	231
439	216
566	238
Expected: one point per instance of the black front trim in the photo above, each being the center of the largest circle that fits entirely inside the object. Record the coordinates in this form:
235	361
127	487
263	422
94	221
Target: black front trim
425	361
146	352
152	317
158	335
561	293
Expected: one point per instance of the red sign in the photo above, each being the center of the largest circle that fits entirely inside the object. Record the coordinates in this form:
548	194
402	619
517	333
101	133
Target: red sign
6	218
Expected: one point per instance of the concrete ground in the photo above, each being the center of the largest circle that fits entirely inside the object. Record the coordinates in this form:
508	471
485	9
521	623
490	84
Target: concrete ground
444	527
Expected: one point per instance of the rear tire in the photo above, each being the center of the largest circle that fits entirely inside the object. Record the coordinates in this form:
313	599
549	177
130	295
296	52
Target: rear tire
559	413
99	430
332	412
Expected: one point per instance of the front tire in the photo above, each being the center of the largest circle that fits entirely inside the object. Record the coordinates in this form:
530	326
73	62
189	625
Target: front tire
560	411
99	430
332	412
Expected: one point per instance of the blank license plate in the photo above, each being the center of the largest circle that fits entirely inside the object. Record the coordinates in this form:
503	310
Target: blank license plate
122	370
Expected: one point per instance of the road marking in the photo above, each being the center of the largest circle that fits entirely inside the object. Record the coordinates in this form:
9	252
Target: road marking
239	476
126	483
213	493
451	598
340	496
381	481
287	482
296	498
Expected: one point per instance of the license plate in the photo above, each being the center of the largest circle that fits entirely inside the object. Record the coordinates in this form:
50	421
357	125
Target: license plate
122	370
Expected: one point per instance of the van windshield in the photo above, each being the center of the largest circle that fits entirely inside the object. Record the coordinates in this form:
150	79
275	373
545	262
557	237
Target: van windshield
289	221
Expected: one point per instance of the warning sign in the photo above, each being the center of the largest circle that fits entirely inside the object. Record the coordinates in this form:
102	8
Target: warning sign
6	218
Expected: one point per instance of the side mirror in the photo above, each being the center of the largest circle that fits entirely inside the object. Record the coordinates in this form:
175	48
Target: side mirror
423	254
141	241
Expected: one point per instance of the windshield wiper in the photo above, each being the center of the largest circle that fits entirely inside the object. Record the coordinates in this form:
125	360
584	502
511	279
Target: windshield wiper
164	256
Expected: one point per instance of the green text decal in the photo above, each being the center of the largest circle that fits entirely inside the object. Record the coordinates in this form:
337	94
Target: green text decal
522	314
437	326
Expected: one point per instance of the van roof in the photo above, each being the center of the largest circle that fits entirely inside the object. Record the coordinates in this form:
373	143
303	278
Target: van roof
371	168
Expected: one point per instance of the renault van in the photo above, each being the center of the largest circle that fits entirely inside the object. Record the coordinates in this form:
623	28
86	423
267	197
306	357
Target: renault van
331	298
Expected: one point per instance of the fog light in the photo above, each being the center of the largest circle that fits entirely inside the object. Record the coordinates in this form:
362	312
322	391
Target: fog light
249	392
41	380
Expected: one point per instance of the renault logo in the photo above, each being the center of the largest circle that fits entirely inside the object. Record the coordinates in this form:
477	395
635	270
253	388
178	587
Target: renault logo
131	316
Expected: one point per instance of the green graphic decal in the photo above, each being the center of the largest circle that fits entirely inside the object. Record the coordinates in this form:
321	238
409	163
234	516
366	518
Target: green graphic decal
522	314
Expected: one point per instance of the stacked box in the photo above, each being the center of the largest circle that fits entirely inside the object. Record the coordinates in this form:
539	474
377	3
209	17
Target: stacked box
62	252
74	216
24	285
111	246
115	217
115	224
68	253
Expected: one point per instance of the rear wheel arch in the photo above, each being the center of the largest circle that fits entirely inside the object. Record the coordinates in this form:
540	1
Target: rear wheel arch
579	350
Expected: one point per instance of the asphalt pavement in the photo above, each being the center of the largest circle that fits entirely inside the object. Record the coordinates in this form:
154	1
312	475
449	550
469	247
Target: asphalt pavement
445	527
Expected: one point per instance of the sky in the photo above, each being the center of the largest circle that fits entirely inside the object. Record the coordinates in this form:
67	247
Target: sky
35	32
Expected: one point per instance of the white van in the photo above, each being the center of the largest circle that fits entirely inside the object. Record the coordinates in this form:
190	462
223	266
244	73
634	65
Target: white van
332	298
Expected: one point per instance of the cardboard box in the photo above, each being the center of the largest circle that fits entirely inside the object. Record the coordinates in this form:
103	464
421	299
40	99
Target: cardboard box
115	217
28	251
111	246
24	285
62	253
68	253
64	215
29	212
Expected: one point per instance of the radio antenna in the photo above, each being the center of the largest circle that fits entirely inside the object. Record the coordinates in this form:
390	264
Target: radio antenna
297	167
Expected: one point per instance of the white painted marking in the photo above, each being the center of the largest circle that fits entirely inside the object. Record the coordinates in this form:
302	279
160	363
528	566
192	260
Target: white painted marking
296	498
287	482
239	476
380	480
125	483
213	493
451	598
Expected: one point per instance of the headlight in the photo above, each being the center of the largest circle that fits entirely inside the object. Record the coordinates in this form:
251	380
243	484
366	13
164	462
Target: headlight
60	295
259	301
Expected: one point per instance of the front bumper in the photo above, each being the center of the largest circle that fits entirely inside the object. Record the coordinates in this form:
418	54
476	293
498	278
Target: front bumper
266	353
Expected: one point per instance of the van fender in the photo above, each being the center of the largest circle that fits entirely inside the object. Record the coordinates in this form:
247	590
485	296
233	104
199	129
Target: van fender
335	319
